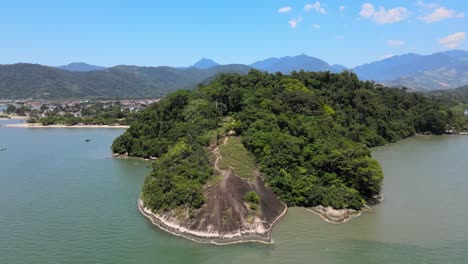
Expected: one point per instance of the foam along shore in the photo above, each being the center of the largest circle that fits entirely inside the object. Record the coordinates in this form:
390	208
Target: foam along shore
170	225
335	216
35	125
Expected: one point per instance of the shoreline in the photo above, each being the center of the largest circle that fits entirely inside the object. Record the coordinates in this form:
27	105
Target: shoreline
206	237
36	125
126	156
14	117
334	216
341	216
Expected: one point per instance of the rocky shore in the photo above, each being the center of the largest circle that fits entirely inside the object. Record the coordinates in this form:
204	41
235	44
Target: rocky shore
126	156
335	215
253	233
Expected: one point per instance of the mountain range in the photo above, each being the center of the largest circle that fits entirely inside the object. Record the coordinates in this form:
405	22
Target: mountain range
443	70
25	80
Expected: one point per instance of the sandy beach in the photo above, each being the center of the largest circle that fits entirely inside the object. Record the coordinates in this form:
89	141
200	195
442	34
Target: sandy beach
27	125
15	117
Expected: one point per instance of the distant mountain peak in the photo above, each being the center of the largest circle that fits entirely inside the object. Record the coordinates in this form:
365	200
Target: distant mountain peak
288	64
205	63
81	67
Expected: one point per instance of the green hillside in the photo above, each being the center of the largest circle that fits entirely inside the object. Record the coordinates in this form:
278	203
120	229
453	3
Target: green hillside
310	135
37	81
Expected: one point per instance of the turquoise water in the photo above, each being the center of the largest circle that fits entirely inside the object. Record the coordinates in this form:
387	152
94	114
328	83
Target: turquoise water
63	200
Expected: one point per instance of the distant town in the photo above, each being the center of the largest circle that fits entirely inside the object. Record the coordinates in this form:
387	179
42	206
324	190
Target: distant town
76	108
73	112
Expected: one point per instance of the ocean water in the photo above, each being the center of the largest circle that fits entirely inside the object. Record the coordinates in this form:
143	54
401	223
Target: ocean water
64	200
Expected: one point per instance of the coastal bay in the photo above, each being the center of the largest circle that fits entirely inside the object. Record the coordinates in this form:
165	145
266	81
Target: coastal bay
36	125
68	201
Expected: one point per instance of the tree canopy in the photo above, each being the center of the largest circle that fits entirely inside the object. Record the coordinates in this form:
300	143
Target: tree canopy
310	133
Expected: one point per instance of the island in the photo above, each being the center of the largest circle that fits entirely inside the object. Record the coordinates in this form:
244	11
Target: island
232	155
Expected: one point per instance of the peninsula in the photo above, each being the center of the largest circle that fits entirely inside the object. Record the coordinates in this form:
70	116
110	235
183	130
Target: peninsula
232	154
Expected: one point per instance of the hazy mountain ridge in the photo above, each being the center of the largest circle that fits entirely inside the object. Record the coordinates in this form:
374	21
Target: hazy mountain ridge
205	63
301	62
443	70
81	67
25	80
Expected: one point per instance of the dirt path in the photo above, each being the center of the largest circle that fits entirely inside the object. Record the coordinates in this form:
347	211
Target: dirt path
218	158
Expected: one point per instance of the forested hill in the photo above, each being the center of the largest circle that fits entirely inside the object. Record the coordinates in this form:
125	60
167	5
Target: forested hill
458	94
309	132
36	81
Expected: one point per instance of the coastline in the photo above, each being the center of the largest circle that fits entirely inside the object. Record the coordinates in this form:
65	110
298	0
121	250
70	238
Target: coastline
14	117
340	216
206	237
126	156
36	125
334	216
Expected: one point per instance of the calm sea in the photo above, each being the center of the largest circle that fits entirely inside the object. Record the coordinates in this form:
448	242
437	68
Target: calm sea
64	200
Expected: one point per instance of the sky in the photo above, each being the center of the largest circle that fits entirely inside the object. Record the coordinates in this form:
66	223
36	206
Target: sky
178	33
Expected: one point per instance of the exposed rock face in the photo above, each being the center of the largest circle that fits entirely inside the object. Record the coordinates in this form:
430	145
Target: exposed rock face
333	215
225	217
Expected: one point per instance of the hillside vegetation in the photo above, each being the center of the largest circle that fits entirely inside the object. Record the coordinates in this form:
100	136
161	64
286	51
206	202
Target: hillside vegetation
36	81
457	101
310	135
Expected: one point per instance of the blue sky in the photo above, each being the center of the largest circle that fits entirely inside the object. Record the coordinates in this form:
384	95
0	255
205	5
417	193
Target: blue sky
178	33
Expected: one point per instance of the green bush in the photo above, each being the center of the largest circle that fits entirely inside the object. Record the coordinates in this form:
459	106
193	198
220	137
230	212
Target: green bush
252	197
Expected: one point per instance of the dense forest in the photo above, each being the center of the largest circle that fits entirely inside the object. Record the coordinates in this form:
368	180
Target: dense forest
310	133
456	100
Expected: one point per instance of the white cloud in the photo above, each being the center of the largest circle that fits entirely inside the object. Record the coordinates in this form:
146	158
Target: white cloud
316	26
453	41
383	16
395	42
294	22
386	56
285	9
341	8
441	13
317	6
425	5
367	10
